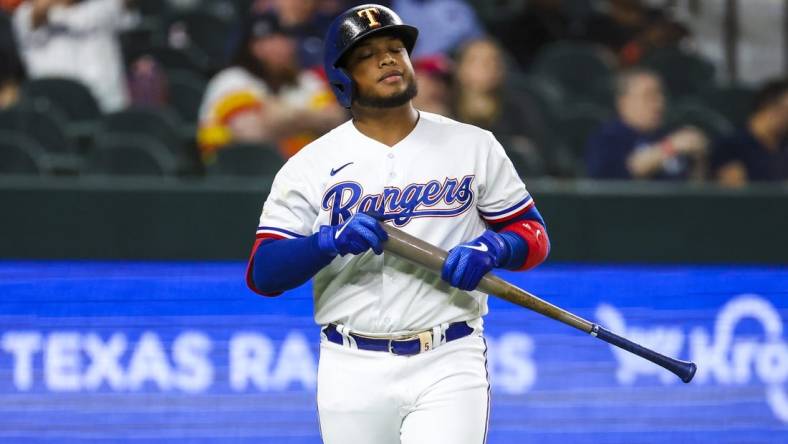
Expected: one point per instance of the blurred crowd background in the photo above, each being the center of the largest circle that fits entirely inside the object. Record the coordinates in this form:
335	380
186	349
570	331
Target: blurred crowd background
693	90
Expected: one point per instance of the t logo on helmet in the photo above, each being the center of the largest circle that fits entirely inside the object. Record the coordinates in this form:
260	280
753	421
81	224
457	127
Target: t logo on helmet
370	14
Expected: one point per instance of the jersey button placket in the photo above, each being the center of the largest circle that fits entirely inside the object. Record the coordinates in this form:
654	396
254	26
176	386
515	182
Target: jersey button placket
387	276
391	166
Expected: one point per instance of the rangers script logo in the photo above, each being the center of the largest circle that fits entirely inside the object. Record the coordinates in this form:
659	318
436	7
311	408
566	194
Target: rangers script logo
401	205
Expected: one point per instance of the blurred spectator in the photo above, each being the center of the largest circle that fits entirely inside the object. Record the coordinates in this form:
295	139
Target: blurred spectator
258	7
433	75
9	5
304	22
443	25
622	22
636	145
76	39
147	83
479	99
11	76
264	97
759	151
331	8
659	32
12	72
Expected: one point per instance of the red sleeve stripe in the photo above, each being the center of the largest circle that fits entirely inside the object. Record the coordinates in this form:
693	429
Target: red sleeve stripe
535	235
282	233
261	237
269	236
509	213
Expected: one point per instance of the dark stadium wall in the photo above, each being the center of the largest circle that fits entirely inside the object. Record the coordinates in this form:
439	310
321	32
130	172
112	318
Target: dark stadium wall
157	220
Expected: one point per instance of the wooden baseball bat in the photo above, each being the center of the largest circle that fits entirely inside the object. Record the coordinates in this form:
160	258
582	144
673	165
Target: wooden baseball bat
431	257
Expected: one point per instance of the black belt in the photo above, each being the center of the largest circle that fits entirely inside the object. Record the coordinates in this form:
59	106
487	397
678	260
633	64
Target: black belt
407	346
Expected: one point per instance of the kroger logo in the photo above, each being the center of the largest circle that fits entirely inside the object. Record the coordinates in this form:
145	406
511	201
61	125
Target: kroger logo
723	356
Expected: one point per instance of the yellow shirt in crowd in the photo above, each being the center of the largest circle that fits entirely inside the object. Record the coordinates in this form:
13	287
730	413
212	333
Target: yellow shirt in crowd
234	91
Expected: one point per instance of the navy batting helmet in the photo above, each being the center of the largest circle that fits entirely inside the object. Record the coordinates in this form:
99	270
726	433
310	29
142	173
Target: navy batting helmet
349	28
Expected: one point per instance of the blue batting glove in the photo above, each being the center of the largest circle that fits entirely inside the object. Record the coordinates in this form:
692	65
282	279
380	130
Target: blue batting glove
356	235
467	263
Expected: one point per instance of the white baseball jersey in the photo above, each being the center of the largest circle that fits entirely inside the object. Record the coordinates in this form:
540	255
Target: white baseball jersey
442	183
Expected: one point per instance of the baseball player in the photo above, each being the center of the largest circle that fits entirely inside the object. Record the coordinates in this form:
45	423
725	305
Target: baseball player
402	356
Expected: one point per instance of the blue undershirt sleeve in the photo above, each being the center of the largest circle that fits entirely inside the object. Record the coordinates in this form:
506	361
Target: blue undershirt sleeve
284	264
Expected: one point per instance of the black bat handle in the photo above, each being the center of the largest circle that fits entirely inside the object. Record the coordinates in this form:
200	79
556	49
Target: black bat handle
683	369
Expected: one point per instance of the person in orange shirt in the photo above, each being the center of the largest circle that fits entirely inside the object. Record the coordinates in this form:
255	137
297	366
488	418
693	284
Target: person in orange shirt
9	5
264	97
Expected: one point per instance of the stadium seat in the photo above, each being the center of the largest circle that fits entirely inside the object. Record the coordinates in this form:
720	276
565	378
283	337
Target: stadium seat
176	59
228	10
684	74
243	5
693	112
48	130
160	125
576	123
562	162
21	155
573	65
525	155
545	92
130	155
70	96
186	90
246	160
202	29
733	102
602	92
152	8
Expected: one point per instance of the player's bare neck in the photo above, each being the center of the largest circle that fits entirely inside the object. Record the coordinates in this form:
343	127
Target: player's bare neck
386	125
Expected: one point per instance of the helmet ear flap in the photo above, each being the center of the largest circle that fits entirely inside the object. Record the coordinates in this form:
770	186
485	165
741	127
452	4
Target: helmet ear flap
342	85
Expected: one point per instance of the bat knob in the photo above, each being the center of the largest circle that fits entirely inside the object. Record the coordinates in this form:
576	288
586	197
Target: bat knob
689	372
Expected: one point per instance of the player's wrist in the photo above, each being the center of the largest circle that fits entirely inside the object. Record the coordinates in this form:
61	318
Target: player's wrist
326	242
497	246
516	250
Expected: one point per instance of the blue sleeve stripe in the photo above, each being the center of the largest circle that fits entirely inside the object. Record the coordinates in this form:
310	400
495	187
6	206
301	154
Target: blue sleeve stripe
274	230
531	214
508	211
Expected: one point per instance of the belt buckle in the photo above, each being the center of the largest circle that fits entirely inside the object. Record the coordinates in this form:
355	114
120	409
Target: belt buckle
425	341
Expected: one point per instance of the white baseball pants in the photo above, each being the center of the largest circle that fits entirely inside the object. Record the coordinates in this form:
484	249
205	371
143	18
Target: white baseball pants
372	397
